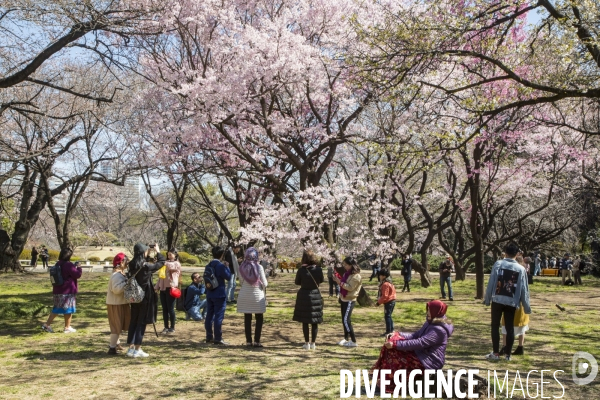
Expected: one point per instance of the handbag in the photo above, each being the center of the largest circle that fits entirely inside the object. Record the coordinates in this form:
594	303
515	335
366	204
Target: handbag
133	292
320	294
175	292
162	272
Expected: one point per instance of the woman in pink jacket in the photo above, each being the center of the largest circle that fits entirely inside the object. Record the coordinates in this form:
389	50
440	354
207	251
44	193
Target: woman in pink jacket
171	280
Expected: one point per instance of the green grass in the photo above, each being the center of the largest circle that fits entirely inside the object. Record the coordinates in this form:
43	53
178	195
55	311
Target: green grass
181	367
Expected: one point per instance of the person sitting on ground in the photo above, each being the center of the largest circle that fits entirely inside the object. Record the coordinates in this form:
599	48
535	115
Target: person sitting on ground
119	311
194	307
423	349
386	296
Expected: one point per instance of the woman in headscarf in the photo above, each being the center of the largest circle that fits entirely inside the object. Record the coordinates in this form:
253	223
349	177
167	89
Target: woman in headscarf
423	349
145	262
251	299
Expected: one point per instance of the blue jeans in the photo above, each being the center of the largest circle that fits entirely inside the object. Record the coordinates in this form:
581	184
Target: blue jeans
388	309
537	270
442	282
215	313
230	289
197	313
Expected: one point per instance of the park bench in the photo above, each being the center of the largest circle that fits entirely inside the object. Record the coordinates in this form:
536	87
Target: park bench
550	272
287	266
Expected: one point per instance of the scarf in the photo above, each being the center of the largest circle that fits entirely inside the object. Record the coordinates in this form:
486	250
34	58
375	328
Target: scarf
343	291
250	269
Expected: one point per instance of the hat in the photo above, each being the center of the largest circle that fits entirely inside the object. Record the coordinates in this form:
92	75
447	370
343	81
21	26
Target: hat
118	259
436	308
139	248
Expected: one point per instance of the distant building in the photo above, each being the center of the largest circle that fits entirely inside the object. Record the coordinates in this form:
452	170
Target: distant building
130	192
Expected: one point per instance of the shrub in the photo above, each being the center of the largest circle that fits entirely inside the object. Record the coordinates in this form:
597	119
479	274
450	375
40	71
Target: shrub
187	258
94	259
53	254
109	259
73	259
26	255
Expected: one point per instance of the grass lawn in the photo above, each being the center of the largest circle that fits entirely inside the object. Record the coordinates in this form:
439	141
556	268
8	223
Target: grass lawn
35	364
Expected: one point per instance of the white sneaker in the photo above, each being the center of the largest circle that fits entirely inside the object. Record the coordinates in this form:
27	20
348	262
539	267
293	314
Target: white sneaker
350	344
130	352
165	331
142	353
313	346
70	330
47	328
492	357
342	342
139	353
306	346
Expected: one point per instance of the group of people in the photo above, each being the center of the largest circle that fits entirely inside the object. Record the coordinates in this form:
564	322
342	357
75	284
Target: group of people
42	254
507	293
570	268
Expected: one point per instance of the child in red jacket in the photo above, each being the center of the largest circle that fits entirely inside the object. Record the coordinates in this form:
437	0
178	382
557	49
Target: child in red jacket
386	296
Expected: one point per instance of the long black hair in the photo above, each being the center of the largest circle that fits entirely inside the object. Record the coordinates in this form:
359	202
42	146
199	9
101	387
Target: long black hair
353	263
137	262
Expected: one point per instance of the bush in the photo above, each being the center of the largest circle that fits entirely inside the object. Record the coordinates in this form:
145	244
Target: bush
187	258
109	259
94	259
73	259
53	255
26	255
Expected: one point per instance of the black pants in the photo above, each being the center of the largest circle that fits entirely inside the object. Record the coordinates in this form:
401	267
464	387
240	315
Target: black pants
509	323
135	335
167	303
333	285
388	309
257	329
347	307
406	285
44	263
315	330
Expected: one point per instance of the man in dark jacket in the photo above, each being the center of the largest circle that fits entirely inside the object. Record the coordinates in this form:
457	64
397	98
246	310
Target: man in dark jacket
194	307
446	269
216	298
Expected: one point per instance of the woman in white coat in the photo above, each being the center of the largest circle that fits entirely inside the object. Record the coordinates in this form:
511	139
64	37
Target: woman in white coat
251	298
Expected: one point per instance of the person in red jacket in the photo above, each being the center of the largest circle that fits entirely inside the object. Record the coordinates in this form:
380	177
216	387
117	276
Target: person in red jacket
386	296
65	295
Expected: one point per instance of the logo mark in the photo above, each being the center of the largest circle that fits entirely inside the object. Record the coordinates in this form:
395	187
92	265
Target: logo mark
581	367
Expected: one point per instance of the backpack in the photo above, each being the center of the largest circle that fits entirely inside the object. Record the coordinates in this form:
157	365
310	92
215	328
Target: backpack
133	292
180	303
56	275
210	280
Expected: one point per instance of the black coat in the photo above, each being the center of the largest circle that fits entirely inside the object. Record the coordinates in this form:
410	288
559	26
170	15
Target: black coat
145	312
309	303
